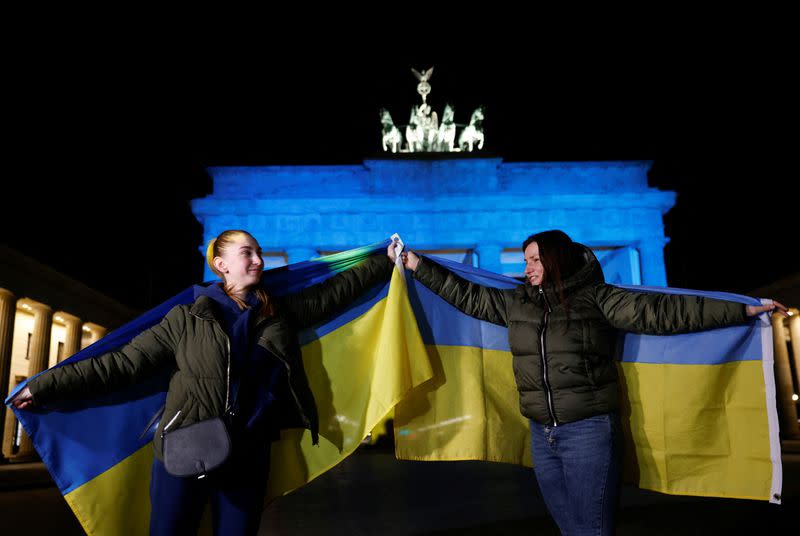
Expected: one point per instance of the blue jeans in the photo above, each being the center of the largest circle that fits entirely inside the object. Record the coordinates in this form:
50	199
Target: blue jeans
235	490
578	466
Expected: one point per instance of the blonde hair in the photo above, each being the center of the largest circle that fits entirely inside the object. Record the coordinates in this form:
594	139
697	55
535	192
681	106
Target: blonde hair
216	246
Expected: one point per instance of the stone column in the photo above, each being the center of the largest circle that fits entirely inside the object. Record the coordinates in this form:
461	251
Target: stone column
8	312
38	356
787	408
300	254
72	340
489	257
651	253
794	334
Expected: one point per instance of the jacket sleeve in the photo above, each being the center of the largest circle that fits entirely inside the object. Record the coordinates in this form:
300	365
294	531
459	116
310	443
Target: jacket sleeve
665	314
150	351
315	303
484	303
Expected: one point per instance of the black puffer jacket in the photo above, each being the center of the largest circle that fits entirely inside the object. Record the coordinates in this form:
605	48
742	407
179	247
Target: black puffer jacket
563	355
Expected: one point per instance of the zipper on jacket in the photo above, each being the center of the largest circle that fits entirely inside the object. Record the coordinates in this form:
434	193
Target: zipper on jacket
228	373
228	346
172	420
547	389
289	382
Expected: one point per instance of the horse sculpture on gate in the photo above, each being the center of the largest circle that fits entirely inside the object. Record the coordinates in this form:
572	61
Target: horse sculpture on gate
415	135
473	133
391	135
446	137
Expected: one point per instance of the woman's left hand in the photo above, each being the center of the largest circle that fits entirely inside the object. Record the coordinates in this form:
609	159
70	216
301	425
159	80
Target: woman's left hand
753	310
23	399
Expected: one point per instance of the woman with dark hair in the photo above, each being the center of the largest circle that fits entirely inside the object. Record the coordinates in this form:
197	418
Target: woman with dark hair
562	330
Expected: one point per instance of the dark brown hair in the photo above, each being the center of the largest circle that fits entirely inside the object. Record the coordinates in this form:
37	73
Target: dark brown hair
560	257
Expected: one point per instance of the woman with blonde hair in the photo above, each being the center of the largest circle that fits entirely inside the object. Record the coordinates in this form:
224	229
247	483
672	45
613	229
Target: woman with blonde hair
232	354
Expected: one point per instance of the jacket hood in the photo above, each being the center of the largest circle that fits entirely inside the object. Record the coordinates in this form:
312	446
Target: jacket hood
207	297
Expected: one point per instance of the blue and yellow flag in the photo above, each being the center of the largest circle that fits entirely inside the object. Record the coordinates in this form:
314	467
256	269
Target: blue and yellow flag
359	365
699	408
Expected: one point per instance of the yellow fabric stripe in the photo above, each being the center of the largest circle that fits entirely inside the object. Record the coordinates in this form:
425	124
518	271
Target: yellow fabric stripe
118	500
469	412
357	373
698	429
690	429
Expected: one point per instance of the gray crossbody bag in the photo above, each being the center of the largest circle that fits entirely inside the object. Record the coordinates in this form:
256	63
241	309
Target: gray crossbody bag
194	450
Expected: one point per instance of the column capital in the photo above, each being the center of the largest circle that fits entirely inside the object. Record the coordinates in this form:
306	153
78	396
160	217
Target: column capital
35	307
67	318
98	331
6	294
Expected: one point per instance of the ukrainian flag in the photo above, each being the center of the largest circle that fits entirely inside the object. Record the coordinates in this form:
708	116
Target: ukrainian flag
359	365
698	409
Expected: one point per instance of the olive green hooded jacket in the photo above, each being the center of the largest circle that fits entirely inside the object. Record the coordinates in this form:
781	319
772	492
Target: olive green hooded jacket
191	345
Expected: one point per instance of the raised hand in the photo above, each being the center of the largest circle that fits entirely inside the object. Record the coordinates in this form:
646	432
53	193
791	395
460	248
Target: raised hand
753	310
23	399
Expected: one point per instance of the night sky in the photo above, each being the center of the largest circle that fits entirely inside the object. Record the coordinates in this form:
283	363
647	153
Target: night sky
110	143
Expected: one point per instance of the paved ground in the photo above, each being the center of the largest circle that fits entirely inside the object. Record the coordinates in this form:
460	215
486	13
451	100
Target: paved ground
372	493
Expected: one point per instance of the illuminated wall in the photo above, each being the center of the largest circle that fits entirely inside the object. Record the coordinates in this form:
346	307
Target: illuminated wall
479	209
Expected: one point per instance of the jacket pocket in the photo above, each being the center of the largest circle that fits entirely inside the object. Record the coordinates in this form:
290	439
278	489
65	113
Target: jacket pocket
153	423
181	417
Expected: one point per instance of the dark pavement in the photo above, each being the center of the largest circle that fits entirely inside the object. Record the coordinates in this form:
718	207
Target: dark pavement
372	493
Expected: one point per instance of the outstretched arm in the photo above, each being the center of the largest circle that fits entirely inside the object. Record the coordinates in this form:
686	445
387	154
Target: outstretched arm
484	303
146	354
315	303
664	314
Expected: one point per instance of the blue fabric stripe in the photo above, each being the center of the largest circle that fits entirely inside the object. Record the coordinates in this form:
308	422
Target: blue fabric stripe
441	323
476	275
715	347
73	458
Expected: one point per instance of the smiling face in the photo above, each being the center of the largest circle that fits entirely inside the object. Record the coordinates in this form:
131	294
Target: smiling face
534	270
240	263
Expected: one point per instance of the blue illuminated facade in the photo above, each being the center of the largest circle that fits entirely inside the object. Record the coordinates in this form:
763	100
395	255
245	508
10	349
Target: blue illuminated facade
478	210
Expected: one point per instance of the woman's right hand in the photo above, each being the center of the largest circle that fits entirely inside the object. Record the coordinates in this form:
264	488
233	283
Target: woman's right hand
23	399
410	260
